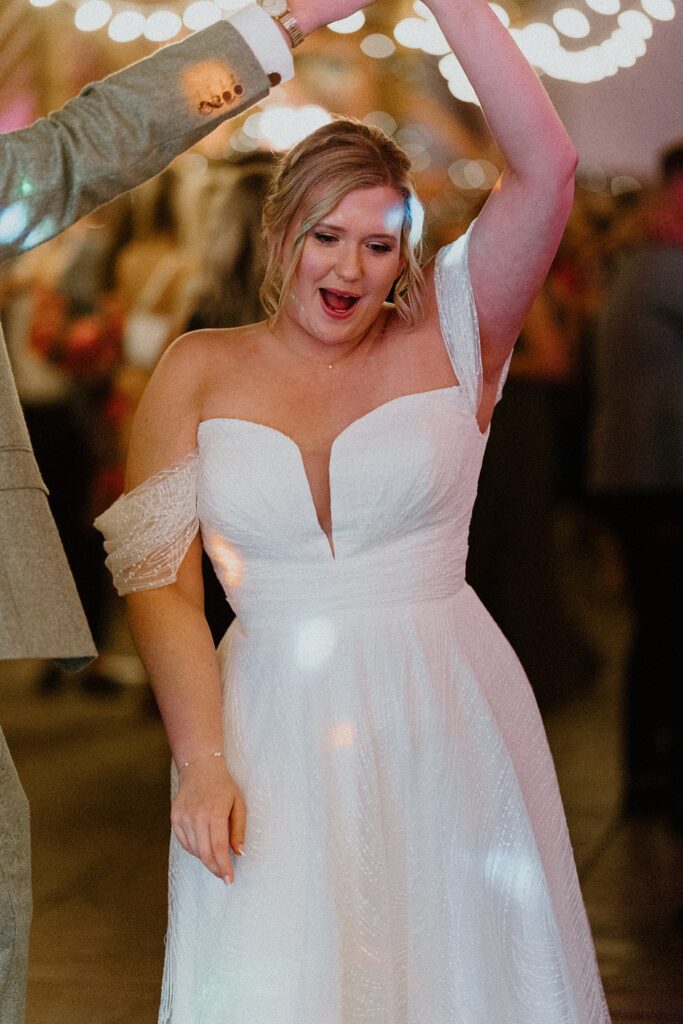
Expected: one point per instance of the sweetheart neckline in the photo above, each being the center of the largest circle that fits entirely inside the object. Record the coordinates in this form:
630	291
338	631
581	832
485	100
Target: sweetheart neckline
329	538
359	419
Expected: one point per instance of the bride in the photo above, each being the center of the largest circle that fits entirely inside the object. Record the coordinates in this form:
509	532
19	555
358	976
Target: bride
366	822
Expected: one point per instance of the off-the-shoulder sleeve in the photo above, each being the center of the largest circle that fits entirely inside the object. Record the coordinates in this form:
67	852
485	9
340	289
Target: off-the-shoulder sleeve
458	318
148	530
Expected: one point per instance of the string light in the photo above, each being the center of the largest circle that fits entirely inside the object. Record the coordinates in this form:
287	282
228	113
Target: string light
541	43
621	46
159	23
571	23
93	15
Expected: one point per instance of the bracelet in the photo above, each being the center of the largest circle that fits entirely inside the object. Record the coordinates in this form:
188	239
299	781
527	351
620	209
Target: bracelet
188	764
291	27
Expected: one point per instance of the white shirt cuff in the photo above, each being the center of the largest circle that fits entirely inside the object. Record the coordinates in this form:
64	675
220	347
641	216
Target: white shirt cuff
265	41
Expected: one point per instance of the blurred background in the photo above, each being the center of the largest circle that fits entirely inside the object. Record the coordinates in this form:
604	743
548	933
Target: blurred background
576	541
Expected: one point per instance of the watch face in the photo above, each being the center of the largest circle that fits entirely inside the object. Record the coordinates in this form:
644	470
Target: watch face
275	8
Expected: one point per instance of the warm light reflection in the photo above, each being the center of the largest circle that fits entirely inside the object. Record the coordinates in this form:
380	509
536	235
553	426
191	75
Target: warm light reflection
315	642
342	735
229	561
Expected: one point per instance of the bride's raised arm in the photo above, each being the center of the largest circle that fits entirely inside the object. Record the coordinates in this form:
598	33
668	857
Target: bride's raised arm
517	233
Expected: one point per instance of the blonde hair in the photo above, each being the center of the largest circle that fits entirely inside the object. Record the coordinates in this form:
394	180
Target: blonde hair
313	177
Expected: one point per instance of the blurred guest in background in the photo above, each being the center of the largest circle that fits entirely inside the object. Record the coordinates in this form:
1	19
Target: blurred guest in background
511	562
224	292
636	469
63	331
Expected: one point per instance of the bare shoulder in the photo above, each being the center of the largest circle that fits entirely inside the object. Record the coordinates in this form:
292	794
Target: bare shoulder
165	425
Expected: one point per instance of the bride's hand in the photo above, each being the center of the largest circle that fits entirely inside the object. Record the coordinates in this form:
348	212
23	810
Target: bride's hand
209	816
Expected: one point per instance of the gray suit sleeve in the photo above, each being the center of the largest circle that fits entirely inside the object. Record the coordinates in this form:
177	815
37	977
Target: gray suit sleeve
121	131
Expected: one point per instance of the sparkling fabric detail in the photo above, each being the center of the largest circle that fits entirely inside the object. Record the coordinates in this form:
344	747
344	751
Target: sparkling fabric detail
459	321
148	530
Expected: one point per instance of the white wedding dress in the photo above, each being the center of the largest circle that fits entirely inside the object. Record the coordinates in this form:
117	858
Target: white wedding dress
407	859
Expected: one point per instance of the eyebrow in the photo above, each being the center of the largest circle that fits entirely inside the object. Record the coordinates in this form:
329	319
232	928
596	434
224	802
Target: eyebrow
341	231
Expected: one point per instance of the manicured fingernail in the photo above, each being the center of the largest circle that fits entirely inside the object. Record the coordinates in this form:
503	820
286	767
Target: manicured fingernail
227	879
240	851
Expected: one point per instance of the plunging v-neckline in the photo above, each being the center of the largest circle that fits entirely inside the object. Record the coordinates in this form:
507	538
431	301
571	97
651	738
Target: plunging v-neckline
329	537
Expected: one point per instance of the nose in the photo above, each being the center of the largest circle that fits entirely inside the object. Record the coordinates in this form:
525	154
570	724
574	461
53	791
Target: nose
348	263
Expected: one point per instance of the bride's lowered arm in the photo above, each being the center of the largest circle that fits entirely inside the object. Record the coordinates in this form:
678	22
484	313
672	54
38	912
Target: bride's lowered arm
154	552
517	233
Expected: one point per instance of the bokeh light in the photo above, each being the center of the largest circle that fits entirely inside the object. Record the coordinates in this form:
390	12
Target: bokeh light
377	45
473	174
282	127
621	184
571	23
380	119
162	25
345	26
201	14
660	10
635	23
92	15
501	14
126	26
604	6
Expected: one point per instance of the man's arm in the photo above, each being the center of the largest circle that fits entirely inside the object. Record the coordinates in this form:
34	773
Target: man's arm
121	131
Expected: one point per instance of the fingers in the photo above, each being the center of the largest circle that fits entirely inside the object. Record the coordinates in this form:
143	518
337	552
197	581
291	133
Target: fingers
220	852
238	824
208	834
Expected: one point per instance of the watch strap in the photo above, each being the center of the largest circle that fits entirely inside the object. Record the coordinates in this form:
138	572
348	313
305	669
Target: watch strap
291	27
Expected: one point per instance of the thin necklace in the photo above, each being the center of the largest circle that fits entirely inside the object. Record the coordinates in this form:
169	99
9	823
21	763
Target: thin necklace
335	362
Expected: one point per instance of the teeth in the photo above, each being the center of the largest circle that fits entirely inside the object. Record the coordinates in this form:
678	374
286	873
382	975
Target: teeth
338	301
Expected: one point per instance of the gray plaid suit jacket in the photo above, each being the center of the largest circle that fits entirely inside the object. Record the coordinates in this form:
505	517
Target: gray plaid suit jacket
113	136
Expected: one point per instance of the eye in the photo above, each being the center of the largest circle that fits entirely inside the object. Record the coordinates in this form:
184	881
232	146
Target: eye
324	238
379	247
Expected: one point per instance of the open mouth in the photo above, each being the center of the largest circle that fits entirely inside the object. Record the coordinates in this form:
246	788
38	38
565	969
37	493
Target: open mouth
338	304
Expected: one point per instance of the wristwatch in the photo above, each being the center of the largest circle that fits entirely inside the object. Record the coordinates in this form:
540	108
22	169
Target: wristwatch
278	9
